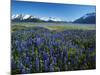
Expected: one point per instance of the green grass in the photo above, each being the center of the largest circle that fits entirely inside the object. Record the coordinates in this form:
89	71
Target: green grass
57	27
70	27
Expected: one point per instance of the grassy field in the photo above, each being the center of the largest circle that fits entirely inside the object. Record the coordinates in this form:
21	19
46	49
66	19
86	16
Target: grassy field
54	26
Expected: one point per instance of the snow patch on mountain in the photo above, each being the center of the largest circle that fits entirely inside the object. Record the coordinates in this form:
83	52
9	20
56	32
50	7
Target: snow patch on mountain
27	16
50	18
88	15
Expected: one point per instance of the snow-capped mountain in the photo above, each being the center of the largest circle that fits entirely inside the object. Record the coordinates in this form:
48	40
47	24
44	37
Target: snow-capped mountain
17	16
22	16
27	16
89	18
31	18
89	15
14	16
50	18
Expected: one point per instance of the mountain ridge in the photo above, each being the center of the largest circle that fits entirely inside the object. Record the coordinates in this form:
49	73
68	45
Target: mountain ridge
31	18
89	18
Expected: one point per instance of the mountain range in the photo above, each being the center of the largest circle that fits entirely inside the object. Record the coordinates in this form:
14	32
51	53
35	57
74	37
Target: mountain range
89	18
31	18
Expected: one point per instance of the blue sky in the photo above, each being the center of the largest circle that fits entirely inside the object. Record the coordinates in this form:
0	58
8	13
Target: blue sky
66	12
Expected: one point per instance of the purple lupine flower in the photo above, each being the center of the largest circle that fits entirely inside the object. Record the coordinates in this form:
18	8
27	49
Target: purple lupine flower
46	65
54	60
29	42
17	43
27	60
23	71
20	65
32	50
19	49
62	55
51	51
51	67
37	41
91	49
24	45
66	58
45	55
37	64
